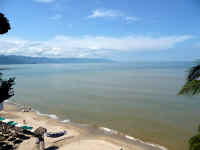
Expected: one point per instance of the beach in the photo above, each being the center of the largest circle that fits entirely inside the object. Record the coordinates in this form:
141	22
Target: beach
77	137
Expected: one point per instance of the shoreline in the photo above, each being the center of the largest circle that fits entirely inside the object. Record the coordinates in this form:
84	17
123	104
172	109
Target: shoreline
85	132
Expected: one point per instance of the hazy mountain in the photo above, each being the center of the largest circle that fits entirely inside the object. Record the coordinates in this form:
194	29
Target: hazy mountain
13	59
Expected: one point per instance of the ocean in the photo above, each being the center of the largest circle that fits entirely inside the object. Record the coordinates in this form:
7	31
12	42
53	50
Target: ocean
139	99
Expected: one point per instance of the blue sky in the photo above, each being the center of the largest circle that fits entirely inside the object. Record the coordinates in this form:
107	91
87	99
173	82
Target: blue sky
125	30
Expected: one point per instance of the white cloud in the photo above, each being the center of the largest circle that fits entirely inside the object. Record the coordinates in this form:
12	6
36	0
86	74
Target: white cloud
100	13
45	1
105	13
87	46
56	17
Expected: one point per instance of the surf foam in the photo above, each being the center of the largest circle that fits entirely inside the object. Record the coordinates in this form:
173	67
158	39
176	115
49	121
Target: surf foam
146	143
65	121
111	131
107	130
53	116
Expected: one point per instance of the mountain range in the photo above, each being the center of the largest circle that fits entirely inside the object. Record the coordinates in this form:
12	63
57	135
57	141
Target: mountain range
13	59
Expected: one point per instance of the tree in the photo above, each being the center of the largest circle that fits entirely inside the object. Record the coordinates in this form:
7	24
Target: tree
6	86
192	87
4	24
195	142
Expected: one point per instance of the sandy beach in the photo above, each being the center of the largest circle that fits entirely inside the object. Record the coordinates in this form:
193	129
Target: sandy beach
77	138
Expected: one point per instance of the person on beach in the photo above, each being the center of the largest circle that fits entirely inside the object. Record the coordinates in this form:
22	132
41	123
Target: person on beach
24	121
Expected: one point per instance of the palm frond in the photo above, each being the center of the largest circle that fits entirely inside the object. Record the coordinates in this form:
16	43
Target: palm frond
194	73
190	88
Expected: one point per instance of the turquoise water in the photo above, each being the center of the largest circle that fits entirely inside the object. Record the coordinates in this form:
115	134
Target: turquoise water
139	98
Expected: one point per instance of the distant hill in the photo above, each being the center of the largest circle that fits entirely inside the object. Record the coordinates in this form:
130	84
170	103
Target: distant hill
13	59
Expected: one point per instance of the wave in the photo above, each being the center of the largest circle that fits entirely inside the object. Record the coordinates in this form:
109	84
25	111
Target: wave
114	132
65	121
108	131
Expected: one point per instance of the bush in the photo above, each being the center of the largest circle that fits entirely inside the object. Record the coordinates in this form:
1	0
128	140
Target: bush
194	142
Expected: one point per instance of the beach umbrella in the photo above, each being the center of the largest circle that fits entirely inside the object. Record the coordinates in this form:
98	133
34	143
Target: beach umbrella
4	24
40	131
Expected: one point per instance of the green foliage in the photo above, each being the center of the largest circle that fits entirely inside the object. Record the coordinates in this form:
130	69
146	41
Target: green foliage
196	147
6	88
192	85
191	88
4	24
195	142
194	73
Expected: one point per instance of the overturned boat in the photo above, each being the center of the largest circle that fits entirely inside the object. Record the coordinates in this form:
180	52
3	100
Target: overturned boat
56	134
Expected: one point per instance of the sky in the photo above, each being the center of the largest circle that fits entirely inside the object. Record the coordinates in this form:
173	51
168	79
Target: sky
123	30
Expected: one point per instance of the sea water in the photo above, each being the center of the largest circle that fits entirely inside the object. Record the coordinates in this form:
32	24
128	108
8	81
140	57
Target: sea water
139	99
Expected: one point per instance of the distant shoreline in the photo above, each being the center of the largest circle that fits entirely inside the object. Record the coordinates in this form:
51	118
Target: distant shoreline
15	59
4	69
